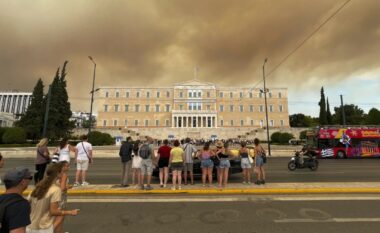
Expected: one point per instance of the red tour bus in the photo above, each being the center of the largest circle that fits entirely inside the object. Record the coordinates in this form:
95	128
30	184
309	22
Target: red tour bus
348	142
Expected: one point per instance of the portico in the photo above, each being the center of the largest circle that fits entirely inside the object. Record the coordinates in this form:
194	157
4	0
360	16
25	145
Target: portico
194	121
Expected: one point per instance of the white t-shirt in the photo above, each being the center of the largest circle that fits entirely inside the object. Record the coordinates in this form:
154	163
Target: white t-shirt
82	149
64	154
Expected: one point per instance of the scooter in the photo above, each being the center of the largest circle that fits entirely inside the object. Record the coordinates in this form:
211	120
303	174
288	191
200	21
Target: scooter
310	161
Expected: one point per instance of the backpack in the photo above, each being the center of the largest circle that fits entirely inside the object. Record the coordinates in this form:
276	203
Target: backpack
145	152
7	202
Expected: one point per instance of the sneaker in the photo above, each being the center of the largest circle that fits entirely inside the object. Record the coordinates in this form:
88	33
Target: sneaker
142	187
76	184
244	182
249	183
173	188
258	182
179	187
263	182
149	188
161	185
203	185
85	183
164	185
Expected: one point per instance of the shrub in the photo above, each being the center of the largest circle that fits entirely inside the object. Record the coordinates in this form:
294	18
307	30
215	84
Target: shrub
303	134
97	138
285	137
2	131
14	135
275	137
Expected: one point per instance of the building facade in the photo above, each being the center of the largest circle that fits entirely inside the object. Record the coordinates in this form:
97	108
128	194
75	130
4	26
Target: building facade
15	102
189	108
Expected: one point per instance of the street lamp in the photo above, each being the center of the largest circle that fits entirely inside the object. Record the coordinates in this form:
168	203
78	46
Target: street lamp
92	95
266	106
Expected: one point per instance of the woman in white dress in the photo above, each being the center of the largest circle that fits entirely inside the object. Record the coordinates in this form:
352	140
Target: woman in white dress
136	164
64	150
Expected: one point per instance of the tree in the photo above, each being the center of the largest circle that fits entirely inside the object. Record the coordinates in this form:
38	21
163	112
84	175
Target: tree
322	109
32	121
301	120
373	117
328	113
354	115
15	135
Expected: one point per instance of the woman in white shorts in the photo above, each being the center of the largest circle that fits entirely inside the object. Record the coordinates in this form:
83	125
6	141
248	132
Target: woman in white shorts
136	165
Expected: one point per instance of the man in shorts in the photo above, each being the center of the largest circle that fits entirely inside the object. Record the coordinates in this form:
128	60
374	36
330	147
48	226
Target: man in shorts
83	157
146	152
189	149
14	209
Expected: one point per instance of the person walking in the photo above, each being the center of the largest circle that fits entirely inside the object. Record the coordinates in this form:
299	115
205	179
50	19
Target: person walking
16	215
42	160
206	163
146	152
188	167
44	201
163	156
64	149
63	183
259	162
125	154
136	164
223	154
245	163
83	157
177	158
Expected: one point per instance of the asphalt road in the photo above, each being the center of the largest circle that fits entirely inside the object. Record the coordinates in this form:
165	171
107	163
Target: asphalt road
107	171
226	216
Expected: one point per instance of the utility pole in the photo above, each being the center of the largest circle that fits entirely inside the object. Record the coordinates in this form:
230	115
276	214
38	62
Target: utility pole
92	95
47	112
266	106
343	113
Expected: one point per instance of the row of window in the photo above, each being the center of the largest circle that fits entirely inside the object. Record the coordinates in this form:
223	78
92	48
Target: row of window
192	107
167	123
193	94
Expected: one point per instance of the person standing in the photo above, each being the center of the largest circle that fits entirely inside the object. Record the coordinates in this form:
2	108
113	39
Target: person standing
17	209
146	152
259	162
63	183
176	160
136	164
245	163
64	150
44	201
188	167
125	154
206	163
83	157
163	156
42	160
224	165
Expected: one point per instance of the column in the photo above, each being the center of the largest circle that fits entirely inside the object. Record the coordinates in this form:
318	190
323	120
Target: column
196	121
173	120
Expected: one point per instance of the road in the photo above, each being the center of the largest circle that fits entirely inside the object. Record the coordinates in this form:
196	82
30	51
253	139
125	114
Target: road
248	214
106	171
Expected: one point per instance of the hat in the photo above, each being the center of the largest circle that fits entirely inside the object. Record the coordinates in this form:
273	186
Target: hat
219	144
16	175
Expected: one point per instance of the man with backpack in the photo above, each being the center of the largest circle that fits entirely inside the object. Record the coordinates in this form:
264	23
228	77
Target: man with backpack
14	209
146	152
125	154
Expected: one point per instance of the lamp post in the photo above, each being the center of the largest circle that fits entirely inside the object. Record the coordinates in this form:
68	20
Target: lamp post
92	94
266	106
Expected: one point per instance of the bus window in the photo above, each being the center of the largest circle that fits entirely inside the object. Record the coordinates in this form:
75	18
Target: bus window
325	143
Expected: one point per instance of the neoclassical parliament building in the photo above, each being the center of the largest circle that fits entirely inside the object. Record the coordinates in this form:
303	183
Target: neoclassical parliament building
191	109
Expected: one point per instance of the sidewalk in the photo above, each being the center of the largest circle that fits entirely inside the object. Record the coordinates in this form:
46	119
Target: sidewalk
232	189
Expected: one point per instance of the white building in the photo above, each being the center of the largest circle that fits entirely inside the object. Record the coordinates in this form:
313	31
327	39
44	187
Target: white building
15	103
6	119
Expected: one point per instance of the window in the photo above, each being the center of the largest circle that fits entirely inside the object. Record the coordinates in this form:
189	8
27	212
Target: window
167	122
105	108
241	122
199	106
127	94
114	122
282	122
280	108
190	106
199	94
158	94
271	123
148	94
231	95
181	107
232	122
251	108
137	108
146	108
116	107
241	108
270	94
136	122
126	107
241	94
208	107
261	108
231	108
146	122
250	95
261	123
107	94
104	122
221	108
126	122
138	94
167	108
221	122
208	94
252	122
157	123
279	95
117	94
271	108
167	94
261	94
181	94
157	108
190	94
221	94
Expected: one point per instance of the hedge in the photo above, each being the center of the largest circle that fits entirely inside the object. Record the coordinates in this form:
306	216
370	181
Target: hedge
97	138
281	138
14	135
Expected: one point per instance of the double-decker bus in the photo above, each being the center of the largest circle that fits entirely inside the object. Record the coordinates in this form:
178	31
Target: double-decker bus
346	142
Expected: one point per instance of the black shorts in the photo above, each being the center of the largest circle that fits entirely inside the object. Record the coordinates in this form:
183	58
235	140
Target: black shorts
163	162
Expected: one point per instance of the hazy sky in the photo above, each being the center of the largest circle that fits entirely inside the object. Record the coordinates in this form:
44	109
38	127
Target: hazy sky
136	42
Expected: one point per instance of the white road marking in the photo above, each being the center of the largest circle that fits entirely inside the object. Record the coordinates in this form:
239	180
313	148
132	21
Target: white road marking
337	220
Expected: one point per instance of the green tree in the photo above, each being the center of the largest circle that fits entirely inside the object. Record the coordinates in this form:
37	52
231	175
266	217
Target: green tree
328	113
301	120
354	115
322	109
32	120
373	117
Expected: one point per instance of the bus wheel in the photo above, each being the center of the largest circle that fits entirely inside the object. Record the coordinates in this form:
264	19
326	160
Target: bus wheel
341	155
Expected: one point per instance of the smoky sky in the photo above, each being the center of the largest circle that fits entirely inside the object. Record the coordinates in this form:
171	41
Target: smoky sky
136	43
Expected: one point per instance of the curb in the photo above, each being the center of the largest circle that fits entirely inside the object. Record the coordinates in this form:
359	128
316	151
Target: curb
109	192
